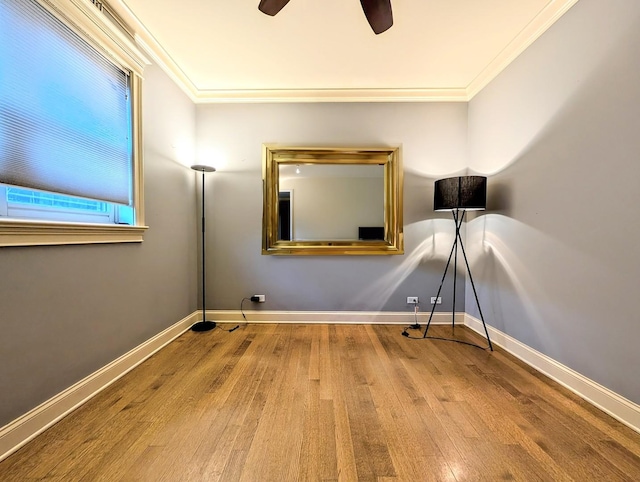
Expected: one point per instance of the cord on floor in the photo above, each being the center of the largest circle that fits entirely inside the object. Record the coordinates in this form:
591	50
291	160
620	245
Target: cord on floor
241	310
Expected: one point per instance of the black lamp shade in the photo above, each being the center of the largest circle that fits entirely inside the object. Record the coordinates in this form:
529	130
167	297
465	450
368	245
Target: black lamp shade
462	192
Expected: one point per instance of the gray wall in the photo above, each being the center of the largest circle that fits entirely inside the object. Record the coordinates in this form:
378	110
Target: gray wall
556	258
434	143
67	311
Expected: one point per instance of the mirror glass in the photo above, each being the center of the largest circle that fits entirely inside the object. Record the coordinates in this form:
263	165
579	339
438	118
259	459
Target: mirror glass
332	201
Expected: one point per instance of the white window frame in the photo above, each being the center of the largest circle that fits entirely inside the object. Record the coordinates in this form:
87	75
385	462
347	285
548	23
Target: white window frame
88	20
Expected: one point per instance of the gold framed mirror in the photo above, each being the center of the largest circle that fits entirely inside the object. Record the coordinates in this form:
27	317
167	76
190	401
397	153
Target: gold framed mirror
332	201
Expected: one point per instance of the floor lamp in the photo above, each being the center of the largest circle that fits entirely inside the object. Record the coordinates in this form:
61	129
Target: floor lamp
459	194
203	325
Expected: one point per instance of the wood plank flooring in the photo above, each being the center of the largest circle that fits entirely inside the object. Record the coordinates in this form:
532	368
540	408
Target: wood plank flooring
328	403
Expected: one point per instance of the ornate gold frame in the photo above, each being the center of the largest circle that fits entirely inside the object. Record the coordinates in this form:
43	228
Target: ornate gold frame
389	157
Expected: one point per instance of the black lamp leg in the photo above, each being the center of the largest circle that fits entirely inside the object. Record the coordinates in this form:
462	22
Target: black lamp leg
454	249
475	294
444	275
458	221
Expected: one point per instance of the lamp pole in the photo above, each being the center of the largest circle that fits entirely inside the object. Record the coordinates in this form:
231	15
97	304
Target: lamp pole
203	325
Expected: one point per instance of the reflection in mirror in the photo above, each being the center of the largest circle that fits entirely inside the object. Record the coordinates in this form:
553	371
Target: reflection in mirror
285	215
332	201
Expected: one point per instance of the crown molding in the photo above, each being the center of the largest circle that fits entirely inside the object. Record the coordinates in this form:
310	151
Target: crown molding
332	95
162	58
149	44
534	29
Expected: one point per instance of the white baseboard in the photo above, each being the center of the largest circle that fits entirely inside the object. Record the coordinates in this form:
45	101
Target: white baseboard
31	424
606	400
25	428
333	317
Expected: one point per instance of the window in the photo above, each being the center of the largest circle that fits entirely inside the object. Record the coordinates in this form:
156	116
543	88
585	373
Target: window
18	203
69	126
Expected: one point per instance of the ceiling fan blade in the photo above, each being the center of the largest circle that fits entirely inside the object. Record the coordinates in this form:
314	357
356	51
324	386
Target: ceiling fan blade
271	7
378	13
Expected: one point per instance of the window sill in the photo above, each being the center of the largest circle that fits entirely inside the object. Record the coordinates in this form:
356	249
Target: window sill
37	233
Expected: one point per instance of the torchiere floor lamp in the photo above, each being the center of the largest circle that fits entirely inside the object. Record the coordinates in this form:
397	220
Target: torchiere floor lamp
203	325
459	194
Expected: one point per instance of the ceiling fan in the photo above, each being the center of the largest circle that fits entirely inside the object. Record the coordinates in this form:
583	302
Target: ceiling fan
378	12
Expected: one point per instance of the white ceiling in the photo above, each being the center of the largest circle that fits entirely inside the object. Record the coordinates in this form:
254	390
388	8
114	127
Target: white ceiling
324	50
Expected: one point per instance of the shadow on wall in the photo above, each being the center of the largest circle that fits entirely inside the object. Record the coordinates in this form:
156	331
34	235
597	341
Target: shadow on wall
437	236
522	292
554	263
499	197
593	73
564	154
428	235
505	289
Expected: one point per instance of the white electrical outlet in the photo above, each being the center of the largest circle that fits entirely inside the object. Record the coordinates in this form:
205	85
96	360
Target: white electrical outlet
412	300
258	298
434	302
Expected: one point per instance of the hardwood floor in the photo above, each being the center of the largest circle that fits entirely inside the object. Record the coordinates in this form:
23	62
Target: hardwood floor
330	402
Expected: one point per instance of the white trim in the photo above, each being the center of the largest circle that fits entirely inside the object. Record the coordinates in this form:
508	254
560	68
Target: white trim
20	232
86	19
552	11
333	317
150	45
538	25
606	400
89	22
28	426
331	95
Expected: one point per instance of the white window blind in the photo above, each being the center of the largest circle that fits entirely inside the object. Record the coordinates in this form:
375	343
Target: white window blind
65	110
